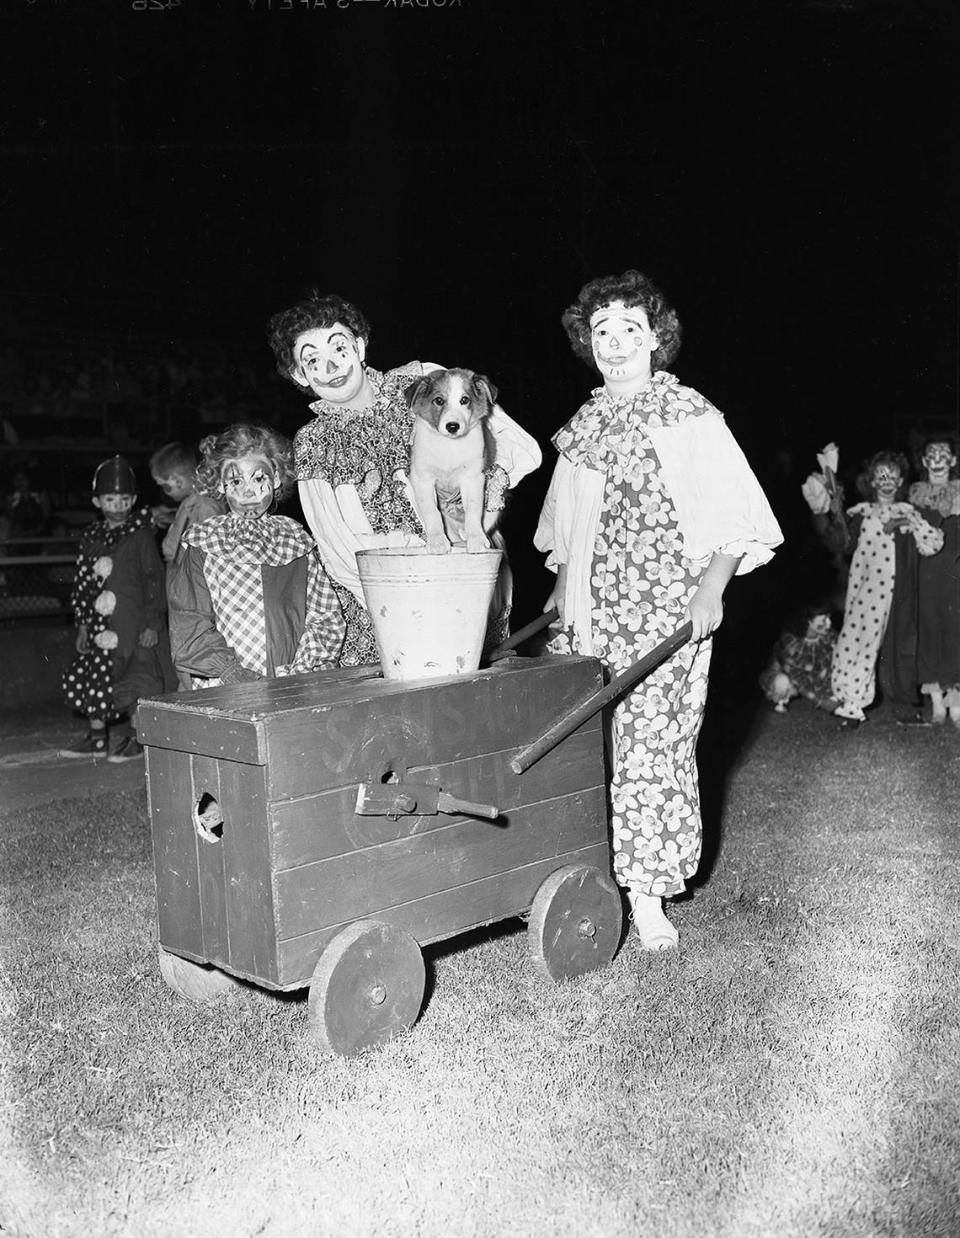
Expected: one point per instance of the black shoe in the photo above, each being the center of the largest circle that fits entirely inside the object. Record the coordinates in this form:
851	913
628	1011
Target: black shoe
851	724
127	750
93	745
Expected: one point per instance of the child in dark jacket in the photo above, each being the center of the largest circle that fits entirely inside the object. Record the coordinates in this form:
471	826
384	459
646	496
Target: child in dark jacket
249	598
118	606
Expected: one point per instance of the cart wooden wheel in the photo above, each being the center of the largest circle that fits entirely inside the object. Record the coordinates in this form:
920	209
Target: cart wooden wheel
575	922
196	983
367	987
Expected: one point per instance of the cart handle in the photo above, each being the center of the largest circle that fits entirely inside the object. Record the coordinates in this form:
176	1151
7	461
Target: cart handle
587	706
521	634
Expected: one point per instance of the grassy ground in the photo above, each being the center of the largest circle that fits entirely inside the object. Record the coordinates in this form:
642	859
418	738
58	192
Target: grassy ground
791	1071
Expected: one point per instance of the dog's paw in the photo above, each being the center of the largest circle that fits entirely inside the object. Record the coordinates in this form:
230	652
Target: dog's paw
438	545
477	544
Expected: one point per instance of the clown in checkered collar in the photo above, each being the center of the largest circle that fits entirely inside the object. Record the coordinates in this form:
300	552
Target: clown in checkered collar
249	598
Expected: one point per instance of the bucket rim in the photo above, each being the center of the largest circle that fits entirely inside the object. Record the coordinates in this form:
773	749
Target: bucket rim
421	552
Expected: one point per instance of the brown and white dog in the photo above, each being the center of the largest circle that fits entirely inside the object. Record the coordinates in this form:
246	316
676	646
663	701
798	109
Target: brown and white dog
450	447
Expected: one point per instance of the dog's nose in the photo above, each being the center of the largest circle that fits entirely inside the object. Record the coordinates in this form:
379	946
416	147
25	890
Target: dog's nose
452	427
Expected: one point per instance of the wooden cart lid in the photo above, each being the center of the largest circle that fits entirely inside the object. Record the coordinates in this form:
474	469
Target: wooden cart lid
235	722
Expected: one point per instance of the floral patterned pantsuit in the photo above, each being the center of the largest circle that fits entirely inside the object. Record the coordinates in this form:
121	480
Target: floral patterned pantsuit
640	585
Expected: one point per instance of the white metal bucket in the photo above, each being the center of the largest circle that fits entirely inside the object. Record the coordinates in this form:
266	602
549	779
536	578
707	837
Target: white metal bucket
429	611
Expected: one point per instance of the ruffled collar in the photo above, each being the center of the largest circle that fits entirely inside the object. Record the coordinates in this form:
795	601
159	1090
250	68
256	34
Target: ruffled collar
609	427
342	445
271	541
107	536
385	388
942	497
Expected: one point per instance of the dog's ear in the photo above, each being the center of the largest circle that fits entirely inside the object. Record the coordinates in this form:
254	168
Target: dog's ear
416	389
485	387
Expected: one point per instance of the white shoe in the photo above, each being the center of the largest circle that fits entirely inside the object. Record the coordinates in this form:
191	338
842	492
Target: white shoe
653	928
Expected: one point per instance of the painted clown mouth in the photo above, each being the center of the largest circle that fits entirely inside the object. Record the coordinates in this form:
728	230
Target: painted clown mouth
338	381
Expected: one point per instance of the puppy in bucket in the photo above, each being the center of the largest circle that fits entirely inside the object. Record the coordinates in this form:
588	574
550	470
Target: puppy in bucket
451	448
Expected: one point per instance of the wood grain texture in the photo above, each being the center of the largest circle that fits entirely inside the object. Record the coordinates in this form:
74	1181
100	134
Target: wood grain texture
317	827
246	871
443	914
361	884
174	852
205	778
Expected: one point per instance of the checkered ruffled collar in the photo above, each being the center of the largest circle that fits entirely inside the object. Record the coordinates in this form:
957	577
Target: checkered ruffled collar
271	541
608	428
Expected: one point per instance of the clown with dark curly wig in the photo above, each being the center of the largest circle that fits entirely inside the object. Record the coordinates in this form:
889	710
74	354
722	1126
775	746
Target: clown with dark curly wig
651	510
879	633
249	598
352	459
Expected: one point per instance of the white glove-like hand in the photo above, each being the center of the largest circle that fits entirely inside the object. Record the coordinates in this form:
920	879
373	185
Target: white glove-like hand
816	494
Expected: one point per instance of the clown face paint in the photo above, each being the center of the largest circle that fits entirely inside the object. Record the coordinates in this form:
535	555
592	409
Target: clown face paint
886	479
622	345
938	460
115	507
248	485
329	360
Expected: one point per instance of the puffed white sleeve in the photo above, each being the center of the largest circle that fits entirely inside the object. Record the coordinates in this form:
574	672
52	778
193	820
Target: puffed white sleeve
517	452
337	542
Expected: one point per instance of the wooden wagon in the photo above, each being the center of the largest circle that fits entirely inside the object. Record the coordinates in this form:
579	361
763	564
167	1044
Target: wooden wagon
318	830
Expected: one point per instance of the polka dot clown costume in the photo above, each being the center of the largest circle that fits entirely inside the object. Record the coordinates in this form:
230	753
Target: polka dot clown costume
118	605
876	525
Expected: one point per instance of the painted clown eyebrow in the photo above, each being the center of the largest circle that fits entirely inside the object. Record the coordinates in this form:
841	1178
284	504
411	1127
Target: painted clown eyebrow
618	314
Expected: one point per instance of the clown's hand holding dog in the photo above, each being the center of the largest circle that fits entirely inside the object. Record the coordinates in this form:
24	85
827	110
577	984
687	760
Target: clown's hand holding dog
353	458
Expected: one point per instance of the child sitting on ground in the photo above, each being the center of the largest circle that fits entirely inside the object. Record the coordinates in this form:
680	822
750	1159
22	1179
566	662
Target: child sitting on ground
118	605
249	598
800	665
174	469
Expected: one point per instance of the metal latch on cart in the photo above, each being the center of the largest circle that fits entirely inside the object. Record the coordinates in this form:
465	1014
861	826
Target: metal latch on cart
407	799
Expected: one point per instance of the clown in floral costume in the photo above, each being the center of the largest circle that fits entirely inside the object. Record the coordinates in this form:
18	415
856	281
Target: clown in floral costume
651	510
118	605
353	458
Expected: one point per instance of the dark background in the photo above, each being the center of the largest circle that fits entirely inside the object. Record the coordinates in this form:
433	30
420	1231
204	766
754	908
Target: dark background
786	170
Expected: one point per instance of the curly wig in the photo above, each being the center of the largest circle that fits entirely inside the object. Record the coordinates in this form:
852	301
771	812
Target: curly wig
634	289
244	439
894	460
315	312
173	458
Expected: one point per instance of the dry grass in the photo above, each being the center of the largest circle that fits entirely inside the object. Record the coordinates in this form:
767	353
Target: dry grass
792	1071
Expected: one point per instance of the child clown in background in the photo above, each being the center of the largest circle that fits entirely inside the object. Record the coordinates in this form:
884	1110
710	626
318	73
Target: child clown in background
938	586
118	605
174	469
249	598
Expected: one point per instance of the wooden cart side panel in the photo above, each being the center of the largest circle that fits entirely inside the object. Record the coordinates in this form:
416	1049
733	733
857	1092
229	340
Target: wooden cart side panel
246	871
318	827
361	883
205	778
312	749
179	918
445	913
185	730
